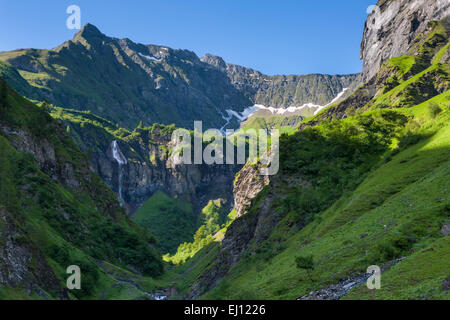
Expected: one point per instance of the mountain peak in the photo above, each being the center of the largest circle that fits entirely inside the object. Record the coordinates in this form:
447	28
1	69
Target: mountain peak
215	61
88	32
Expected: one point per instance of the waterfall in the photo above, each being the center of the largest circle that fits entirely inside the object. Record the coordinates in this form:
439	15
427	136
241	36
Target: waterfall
121	161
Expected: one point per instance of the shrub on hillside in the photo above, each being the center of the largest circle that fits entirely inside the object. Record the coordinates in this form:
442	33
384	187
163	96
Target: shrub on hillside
306	263
433	110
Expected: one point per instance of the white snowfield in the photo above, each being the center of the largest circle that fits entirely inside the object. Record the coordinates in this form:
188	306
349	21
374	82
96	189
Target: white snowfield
248	112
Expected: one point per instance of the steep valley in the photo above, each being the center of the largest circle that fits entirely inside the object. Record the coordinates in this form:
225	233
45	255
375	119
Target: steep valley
356	192
88	177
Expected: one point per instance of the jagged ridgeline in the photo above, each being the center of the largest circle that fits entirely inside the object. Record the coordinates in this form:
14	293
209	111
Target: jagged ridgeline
55	212
126	82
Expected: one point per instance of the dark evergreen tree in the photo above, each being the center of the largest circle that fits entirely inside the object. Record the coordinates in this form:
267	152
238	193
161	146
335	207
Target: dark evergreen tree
46	106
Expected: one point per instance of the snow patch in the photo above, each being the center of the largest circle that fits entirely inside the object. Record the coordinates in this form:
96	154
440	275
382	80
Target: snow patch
249	111
332	101
292	109
149	57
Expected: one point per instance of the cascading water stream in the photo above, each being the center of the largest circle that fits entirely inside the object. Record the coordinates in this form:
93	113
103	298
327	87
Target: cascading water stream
121	161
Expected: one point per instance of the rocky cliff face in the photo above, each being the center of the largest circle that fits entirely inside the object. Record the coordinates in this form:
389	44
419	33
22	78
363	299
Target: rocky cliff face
391	28
196	184
148	166
247	185
22	263
283	91
414	30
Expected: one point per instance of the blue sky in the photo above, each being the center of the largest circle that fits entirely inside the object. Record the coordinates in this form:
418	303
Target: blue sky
274	37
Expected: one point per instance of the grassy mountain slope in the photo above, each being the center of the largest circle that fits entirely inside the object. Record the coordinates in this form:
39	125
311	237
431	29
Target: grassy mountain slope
398	210
170	220
211	226
367	189
55	212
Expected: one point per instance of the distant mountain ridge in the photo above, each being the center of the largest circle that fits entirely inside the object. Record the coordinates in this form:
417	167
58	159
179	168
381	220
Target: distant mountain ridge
128	82
283	91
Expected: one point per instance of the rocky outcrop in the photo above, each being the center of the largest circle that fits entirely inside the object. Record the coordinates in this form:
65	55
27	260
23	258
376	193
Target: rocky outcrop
215	61
196	183
250	228
340	289
247	185
413	28
22	263
445	229
44	153
392	27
